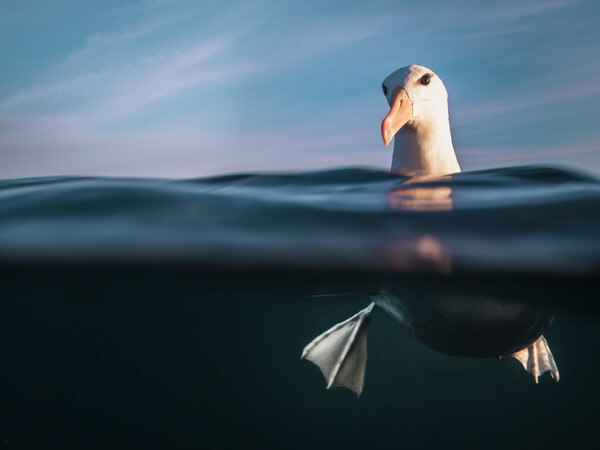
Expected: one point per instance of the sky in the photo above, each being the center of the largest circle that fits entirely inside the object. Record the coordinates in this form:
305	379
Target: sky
181	89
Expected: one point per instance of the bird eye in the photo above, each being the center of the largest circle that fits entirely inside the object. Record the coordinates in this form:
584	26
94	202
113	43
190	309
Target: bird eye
384	89
425	79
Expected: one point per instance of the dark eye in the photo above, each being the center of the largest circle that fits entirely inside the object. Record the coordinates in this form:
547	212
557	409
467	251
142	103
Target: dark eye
384	89
425	79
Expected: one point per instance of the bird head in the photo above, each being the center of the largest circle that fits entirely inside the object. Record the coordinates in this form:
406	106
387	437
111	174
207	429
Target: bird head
417	97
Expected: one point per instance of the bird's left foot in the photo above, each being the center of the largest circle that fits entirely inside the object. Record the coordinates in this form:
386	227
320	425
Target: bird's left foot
536	359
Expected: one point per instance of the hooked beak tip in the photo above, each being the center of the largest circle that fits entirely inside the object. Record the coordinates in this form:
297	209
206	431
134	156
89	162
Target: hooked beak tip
400	113
385	132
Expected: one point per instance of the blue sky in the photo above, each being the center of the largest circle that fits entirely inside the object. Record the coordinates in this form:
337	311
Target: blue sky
177	88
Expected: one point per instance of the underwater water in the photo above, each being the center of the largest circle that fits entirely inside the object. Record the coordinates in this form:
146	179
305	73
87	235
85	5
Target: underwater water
173	313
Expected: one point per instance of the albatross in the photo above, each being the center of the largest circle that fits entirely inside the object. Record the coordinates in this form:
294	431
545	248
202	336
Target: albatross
456	324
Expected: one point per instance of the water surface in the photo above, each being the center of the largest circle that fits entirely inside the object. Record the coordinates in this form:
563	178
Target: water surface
172	313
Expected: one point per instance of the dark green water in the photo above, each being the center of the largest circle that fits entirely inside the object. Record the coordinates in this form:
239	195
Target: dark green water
172	314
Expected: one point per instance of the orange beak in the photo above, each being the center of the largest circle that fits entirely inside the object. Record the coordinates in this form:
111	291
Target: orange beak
400	113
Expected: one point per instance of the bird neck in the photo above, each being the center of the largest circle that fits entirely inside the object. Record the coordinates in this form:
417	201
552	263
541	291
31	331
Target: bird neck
424	147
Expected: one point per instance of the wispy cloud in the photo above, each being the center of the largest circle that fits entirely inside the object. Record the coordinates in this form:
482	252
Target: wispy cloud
524	10
319	35
106	75
478	21
51	90
519	105
172	75
485	157
198	61
100	41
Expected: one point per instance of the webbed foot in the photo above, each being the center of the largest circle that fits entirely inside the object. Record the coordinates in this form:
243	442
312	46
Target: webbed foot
536	359
341	352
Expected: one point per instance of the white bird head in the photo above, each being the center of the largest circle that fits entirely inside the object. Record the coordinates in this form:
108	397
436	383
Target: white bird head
418	119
